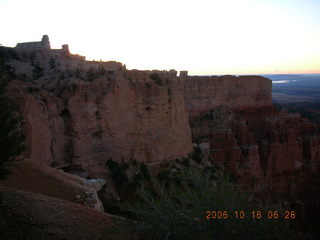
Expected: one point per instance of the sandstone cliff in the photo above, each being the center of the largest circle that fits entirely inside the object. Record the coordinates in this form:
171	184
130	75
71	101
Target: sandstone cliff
123	115
205	93
78	120
278	148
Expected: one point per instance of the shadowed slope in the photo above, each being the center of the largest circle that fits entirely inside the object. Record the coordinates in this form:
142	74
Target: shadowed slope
25	215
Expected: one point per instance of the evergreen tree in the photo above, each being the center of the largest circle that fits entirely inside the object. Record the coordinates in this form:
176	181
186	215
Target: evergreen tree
11	135
91	75
201	204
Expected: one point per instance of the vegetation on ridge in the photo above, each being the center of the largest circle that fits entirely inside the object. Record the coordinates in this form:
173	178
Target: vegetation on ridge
155	77
184	209
11	135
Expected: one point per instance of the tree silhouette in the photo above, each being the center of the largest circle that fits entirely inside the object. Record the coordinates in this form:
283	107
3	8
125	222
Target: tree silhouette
11	135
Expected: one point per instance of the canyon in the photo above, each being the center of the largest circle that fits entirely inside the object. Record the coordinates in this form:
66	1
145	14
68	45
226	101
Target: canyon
77	119
80	115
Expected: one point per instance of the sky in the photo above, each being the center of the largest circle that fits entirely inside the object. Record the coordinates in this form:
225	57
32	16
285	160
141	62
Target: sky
202	36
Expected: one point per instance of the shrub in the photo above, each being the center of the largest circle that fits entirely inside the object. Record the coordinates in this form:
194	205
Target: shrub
11	135
164	176
134	162
185	162
155	77
38	71
91	75
148	85
101	71
78	73
33	89
52	63
22	77
145	172
206	116
124	166
119	177
112	164
117	174
137	177
72	87
196	155
6	54
181	212
61	76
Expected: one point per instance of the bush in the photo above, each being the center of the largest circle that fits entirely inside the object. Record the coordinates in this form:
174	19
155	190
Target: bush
11	135
101	71
148	85
22	77
185	162
164	176
181	212
112	164
38	71
91	75
134	162
196	155
124	166
62	76
52	63
206	116
145	172
119	177
137	177
155	77
6	54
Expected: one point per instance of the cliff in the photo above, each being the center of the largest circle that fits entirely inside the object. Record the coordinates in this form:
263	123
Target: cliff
77	119
78	124
205	93
274	147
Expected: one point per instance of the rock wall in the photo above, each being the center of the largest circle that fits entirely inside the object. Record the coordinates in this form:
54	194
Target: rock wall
279	147
205	93
78	125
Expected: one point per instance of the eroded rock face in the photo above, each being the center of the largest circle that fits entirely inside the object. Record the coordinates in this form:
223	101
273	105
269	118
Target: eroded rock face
78	125
260	142
205	93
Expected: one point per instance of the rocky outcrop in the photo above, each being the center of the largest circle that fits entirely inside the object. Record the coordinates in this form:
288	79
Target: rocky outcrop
78	125
25	215
205	93
92	198
78	120
36	177
261	143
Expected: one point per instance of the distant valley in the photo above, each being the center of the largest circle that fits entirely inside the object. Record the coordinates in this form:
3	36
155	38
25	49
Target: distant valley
297	93
289	88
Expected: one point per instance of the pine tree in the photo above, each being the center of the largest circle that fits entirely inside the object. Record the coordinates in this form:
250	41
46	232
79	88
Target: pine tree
11	135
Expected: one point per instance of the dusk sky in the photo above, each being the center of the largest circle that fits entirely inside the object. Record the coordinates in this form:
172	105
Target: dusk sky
201	36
